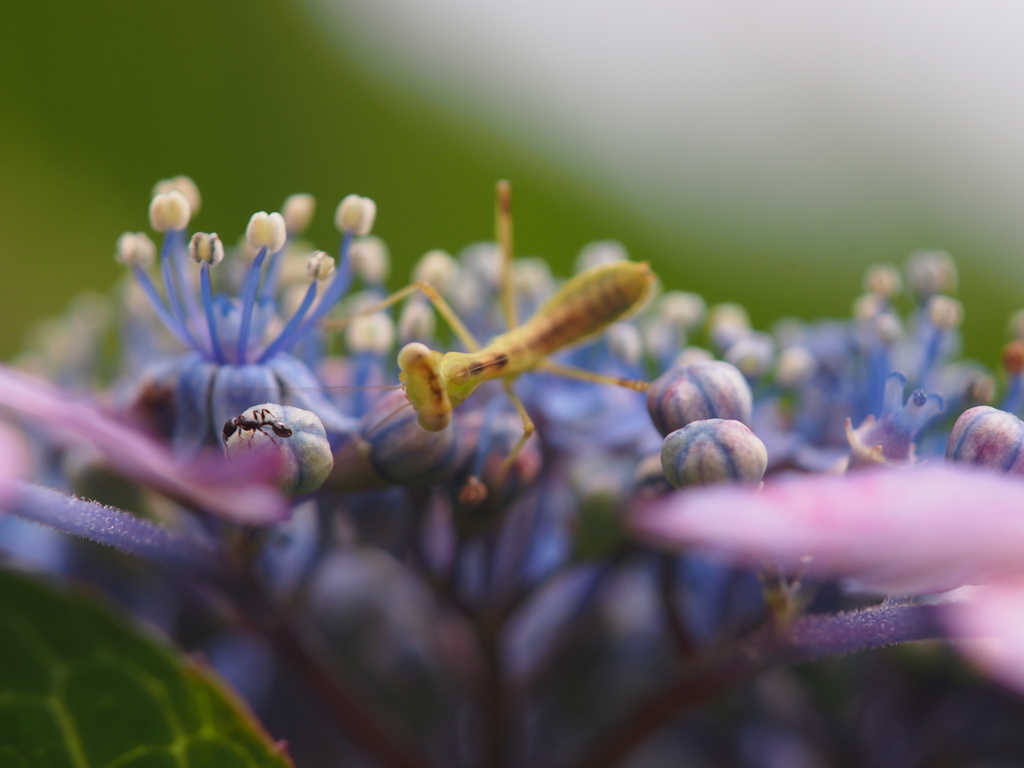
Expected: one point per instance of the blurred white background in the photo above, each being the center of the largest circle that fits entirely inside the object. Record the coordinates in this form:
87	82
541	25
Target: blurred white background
812	133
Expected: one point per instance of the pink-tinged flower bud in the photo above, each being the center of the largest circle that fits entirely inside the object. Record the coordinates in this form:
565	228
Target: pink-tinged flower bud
711	390
987	437
713	451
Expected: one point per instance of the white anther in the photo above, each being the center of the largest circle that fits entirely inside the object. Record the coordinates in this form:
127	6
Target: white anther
601	252
438	268
266	230
796	366
206	248
297	211
888	327
169	211
416	322
370	260
754	354
532	278
930	272
945	312
868	306
625	342
371	333
185	186
135	249
691	355
320	266
684	309
727	323
1015	325
883	279
355	215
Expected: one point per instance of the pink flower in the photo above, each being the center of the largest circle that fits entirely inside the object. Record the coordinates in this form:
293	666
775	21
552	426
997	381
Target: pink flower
917	531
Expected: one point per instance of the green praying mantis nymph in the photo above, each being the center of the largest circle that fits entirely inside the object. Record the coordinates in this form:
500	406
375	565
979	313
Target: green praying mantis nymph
436	383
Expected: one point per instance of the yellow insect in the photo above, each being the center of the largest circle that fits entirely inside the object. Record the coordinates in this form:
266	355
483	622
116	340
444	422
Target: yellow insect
436	383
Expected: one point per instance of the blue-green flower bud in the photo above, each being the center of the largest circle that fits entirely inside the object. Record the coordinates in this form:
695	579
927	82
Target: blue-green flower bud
710	390
713	451
988	437
297	435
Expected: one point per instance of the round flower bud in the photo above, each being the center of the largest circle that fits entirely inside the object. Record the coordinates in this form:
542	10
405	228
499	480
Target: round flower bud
266	230
169	211
713	451
297	212
135	249
987	437
355	215
206	248
711	390
297	435
185	186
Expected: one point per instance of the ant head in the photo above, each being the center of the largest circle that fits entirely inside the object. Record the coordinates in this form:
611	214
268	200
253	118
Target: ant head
425	385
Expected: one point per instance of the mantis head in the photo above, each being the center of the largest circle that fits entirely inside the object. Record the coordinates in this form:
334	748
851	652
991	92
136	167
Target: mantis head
425	385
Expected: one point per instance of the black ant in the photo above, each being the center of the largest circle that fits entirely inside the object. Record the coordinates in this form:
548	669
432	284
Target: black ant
261	418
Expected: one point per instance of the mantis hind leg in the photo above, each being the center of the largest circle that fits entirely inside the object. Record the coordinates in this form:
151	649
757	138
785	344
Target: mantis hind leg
443	308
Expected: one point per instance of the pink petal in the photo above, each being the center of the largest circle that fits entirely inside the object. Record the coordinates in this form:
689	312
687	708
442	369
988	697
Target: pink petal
994	615
13	461
914	530
237	490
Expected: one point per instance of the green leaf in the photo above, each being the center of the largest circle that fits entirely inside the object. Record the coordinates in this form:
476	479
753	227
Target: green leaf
79	688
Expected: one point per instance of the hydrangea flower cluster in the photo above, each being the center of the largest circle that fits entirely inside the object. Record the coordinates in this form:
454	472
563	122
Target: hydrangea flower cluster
559	565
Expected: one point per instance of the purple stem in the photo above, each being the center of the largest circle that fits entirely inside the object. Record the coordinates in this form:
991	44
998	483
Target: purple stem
113	527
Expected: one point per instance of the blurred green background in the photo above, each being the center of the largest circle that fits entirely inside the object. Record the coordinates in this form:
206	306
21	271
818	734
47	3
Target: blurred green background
257	100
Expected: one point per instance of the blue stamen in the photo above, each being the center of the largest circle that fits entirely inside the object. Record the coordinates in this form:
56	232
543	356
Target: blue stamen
166	254
252	282
211	319
931	354
290	333
877	374
161	310
179	256
1014	395
339	285
269	284
483	445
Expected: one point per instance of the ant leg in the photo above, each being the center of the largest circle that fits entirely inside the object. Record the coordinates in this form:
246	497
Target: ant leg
582	374
504	238
528	429
442	307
